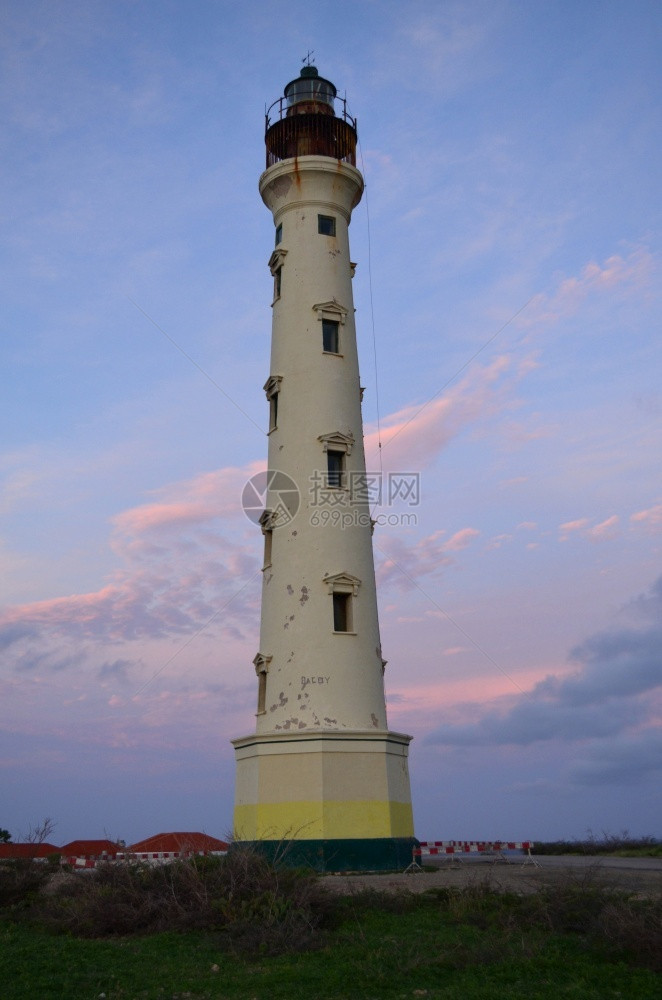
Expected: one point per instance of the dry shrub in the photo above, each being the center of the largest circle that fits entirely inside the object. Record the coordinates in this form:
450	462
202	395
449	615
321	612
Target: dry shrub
608	922
250	902
20	879
636	927
574	911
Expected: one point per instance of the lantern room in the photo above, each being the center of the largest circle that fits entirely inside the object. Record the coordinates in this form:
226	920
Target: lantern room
310	93
310	120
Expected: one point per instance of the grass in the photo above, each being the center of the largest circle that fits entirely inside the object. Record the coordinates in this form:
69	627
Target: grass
579	943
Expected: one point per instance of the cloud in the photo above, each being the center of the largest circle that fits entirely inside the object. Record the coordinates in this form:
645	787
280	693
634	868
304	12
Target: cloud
461	539
611	694
13	632
202	499
601	532
568	527
499	540
648	606
184	557
624	276
413	436
650	520
115	670
605	530
406	565
627	760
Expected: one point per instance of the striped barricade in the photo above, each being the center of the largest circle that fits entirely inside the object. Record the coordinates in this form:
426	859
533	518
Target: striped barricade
452	850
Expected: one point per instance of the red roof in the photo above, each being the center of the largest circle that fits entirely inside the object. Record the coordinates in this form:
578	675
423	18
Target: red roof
27	850
90	849
178	842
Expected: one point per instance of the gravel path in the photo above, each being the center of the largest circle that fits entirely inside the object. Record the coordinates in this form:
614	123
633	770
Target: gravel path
510	877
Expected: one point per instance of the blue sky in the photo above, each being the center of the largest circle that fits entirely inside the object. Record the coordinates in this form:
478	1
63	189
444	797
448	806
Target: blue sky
508	252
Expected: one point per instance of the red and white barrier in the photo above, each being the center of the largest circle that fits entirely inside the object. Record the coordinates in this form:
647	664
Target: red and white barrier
454	849
470	846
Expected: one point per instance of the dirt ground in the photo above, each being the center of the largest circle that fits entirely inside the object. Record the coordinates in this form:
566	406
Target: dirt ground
505	877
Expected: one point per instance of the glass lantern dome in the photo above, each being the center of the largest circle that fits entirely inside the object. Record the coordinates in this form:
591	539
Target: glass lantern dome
310	87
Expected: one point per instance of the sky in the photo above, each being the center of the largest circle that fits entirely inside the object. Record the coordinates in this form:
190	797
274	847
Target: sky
508	315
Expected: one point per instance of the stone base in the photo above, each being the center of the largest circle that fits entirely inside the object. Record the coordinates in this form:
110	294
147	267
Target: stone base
347	788
370	855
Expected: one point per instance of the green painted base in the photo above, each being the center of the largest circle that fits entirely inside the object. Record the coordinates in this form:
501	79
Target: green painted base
368	855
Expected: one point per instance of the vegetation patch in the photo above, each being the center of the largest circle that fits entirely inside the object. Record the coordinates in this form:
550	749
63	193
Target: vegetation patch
251	903
240	928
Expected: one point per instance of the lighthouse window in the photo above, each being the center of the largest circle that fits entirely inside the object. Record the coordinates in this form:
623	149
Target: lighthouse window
268	539
342	612
272	389
326	225
330	343
261	663
277	282
261	693
279	233
335	467
273	411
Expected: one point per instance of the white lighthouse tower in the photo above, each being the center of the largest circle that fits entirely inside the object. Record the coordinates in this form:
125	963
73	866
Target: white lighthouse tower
322	771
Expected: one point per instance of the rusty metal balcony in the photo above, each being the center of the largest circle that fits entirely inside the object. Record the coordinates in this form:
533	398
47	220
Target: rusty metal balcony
309	129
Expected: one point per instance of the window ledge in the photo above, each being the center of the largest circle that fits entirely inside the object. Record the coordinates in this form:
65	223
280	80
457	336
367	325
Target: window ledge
344	633
333	354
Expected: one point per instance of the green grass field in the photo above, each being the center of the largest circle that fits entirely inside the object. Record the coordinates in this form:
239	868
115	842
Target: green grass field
485	948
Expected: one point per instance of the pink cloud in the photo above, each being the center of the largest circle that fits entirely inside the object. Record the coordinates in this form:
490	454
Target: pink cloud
627	275
570	526
499	540
461	539
407	564
650	519
412	437
207	496
604	530
601	532
184	557
423	701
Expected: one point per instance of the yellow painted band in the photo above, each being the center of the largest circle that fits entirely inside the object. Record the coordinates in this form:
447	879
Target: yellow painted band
316	820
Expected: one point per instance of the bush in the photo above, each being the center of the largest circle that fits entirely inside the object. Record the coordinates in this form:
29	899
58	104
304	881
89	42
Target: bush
20	879
252	904
606	922
636	927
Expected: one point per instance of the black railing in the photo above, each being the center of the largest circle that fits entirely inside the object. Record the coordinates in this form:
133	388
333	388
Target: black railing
315	131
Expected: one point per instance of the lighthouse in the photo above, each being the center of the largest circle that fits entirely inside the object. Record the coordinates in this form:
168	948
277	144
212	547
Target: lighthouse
322	778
